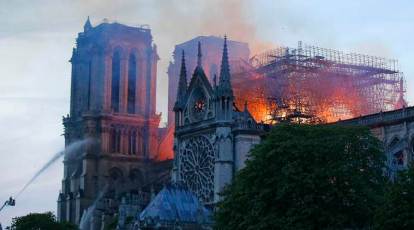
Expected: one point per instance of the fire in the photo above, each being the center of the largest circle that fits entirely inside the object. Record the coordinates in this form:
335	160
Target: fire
316	102
316	85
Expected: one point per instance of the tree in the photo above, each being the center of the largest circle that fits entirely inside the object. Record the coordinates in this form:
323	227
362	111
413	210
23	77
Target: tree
306	177
397	211
40	221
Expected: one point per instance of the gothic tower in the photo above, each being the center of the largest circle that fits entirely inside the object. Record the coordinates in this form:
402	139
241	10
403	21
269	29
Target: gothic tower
113	103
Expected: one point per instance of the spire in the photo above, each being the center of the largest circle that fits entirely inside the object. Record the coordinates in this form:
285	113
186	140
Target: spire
224	87
182	82
183	72
199	55
225	68
87	25
199	68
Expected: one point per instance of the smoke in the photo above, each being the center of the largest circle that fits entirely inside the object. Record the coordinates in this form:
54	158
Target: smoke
70	152
232	18
184	20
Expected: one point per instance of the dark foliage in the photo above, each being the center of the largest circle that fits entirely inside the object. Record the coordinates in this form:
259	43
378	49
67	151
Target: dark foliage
397	212
40	221
307	177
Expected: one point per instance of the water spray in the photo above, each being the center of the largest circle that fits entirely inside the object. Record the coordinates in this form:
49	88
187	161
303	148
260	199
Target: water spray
68	152
85	219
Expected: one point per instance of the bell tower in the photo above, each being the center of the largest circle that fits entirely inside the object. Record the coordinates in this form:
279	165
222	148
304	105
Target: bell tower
113	100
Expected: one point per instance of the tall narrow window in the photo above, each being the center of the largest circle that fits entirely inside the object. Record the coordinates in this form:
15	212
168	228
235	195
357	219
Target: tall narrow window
140	149
116	73
132	143
132	80
118	141
115	141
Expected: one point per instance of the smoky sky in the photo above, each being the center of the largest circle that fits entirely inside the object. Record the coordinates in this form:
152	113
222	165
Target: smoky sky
37	37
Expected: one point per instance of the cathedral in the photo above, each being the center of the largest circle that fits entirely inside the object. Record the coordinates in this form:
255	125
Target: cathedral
120	172
113	103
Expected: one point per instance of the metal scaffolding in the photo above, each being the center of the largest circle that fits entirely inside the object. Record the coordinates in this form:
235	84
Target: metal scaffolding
314	85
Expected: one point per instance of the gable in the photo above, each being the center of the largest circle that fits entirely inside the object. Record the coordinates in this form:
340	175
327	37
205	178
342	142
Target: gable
198	101
199	80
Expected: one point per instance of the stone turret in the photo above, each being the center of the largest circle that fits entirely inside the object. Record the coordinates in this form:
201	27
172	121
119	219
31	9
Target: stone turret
224	91
182	85
181	93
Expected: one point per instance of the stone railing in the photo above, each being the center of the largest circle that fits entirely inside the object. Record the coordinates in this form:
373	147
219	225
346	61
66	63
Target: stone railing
381	117
247	125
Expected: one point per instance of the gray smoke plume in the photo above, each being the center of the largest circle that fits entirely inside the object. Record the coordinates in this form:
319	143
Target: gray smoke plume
70	151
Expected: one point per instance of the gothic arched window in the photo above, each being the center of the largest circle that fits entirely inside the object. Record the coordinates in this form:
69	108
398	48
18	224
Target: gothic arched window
132	81
116	74
397	158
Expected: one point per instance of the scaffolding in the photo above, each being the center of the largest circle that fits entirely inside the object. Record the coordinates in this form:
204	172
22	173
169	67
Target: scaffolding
317	85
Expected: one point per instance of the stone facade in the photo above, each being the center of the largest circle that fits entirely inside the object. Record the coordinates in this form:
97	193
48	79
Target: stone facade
113	103
212	136
396	131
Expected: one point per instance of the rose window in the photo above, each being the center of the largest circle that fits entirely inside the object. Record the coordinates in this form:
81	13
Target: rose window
197	167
